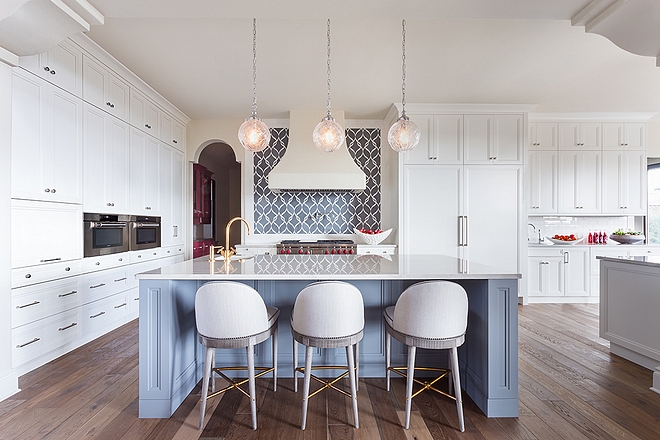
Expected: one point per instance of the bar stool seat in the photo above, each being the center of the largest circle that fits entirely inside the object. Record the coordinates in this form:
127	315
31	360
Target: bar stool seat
233	315
328	314
429	315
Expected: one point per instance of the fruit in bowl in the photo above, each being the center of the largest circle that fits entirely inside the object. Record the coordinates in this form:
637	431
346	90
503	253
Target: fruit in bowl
565	239
570	237
372	236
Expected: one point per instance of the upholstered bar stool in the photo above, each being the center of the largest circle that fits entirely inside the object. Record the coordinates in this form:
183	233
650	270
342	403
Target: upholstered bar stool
233	315
431	315
328	314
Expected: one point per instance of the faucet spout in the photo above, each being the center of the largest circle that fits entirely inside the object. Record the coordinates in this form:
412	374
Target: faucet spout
229	251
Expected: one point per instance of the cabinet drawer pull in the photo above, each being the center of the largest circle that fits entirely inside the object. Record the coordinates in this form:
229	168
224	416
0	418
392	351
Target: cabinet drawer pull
49	260
62	295
120	279
28	305
73	324
121	305
97	315
136	299
28	343
98	285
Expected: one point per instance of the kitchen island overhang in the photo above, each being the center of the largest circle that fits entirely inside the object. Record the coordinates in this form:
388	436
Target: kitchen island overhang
171	359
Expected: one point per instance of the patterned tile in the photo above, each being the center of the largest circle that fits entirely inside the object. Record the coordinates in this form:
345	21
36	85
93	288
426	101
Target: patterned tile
318	212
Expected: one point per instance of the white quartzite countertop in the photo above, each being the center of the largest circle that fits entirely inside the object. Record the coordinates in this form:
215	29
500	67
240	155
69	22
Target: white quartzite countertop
653	261
327	267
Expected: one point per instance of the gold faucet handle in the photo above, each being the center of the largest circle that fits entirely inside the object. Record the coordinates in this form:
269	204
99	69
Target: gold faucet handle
215	250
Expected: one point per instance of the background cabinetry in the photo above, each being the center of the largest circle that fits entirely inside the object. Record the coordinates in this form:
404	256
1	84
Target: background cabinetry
542	182
61	66
172	173
145	114
145	174
624	181
558	273
201	195
579	182
104	89
580	136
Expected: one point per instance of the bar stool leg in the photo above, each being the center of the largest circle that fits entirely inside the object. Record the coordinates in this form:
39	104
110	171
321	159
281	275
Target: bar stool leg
275	358
295	366
357	365
409	382
388	348
208	364
352	379
308	372
457	386
251	382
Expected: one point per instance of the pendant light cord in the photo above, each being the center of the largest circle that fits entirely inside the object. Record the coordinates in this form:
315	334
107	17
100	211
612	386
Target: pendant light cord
403	69
254	67
329	114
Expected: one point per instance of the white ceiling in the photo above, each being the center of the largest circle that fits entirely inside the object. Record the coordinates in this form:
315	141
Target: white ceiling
198	54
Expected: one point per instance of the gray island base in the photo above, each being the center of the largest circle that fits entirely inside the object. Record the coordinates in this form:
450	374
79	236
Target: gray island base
171	359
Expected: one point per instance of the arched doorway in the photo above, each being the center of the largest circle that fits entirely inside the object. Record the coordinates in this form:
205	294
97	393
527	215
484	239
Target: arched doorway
224	187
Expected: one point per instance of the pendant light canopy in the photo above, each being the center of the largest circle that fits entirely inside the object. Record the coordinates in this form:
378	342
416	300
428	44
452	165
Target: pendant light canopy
328	134
254	134
404	134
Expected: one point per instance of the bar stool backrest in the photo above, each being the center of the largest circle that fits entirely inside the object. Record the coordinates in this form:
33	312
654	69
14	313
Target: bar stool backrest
328	309
229	310
432	309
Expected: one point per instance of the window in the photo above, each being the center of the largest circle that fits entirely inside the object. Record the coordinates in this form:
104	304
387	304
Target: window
654	204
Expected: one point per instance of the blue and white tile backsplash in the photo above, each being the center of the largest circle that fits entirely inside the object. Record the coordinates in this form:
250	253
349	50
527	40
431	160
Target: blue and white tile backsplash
318	212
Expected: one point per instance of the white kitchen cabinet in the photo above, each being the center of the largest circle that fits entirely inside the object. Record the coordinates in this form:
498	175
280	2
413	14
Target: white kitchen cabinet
545	276
144	174
580	136
61	66
145	114
558	272
470	212
542	183
36	302
172	132
99	317
579	182
624	177
493	139
543	136
45	232
172	172
46	159
624	136
179	136
105	159
104	89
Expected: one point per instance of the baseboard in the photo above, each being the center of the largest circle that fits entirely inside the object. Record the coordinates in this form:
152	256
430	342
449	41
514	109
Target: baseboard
8	385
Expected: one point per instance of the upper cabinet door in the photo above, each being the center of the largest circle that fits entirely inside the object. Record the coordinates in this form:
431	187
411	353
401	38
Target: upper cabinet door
580	182
424	153
543	136
145	114
580	136
493	139
448	139
542	183
104	89
61	65
178	136
624	136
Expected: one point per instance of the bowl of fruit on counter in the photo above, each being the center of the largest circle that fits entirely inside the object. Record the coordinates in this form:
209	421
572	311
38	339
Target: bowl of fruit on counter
627	237
372	236
565	239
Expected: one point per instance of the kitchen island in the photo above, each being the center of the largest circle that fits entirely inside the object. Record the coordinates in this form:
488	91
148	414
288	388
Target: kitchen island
171	359
629	308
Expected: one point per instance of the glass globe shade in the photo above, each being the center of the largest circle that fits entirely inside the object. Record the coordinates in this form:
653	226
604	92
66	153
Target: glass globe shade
328	135
254	134
403	135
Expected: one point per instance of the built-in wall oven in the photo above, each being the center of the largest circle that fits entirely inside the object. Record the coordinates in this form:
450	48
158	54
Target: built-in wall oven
105	234
145	232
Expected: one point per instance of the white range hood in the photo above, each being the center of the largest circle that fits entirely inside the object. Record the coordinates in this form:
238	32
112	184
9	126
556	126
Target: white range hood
306	168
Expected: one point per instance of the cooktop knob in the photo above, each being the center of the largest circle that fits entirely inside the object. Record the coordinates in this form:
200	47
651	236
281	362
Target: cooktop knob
283	251
350	251
333	252
308	252
288	251
326	252
300	251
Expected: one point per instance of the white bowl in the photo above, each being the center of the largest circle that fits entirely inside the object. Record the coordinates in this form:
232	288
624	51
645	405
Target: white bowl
372	238
565	242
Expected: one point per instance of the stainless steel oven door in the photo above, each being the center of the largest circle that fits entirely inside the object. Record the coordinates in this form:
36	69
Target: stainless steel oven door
105	234
145	233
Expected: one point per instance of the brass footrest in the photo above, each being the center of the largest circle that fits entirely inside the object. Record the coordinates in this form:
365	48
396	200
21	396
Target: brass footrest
425	385
232	382
326	383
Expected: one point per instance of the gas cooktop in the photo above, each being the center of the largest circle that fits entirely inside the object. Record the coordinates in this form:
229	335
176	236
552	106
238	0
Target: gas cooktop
328	247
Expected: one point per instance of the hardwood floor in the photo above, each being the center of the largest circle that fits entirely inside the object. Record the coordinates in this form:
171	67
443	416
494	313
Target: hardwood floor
570	388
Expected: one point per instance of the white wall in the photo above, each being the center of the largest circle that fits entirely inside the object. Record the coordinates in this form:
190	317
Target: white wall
8	380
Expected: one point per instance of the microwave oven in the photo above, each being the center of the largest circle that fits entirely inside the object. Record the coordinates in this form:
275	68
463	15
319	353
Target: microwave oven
105	234
144	232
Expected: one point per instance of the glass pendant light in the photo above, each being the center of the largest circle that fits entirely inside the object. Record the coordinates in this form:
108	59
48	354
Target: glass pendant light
254	134
404	134
328	134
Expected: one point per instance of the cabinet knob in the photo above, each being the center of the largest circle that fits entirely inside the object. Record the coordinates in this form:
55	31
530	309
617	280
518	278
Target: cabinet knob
53	190
47	190
27	275
47	69
67	269
174	140
147	125
52	72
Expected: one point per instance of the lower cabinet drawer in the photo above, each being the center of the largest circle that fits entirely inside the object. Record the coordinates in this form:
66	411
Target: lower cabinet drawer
103	284
36	302
105	314
35	339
